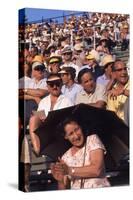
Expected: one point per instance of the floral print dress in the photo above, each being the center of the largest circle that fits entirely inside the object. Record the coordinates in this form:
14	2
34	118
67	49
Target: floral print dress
78	160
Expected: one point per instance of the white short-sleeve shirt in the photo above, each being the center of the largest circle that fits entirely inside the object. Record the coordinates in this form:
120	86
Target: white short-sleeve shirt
62	102
38	85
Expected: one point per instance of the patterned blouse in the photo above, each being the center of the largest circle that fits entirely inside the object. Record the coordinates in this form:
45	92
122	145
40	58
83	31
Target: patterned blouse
78	160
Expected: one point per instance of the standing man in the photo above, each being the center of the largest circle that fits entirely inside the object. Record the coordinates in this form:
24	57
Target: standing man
31	95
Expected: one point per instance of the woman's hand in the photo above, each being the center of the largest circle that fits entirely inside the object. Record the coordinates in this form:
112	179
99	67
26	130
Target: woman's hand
59	170
64	166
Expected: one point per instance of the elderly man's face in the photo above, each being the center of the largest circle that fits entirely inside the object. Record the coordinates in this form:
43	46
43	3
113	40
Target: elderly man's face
121	72
88	83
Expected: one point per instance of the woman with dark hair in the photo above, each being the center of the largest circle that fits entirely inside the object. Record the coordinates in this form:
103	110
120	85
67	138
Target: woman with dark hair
82	166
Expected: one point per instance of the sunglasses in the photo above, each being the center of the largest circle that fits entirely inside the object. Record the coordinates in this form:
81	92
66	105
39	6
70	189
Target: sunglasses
54	62
121	69
68	53
54	83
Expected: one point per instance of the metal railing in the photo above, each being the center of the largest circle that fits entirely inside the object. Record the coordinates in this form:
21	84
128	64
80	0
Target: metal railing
54	19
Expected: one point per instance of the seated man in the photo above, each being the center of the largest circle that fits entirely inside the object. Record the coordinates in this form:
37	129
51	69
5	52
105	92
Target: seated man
36	89
93	65
54	101
67	54
107	63
70	89
119	94
93	94
54	63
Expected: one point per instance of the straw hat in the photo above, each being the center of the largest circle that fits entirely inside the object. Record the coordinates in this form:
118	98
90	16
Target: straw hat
95	54
78	38
102	38
106	60
90	57
54	57
78	47
67	49
65	70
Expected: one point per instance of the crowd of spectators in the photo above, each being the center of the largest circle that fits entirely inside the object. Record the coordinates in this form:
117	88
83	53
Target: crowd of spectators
79	54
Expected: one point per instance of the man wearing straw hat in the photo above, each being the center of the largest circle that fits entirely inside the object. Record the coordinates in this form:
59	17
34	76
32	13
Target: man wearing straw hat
67	59
54	63
93	65
107	63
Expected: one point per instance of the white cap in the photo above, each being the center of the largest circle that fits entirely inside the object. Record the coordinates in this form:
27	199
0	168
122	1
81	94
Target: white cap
35	64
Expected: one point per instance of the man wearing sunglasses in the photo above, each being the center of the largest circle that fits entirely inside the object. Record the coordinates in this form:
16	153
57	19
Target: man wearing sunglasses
54	101
118	96
54	63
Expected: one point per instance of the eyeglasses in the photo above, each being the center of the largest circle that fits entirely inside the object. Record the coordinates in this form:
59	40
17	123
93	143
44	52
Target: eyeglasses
67	53
121	69
54	83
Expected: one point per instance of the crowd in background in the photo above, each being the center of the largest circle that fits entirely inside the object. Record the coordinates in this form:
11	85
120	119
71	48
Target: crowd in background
80	55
